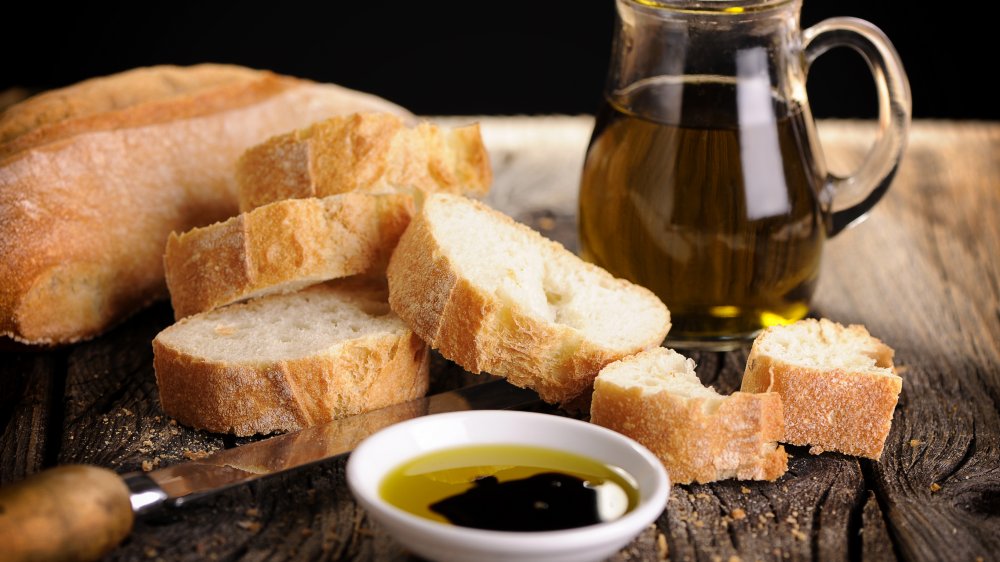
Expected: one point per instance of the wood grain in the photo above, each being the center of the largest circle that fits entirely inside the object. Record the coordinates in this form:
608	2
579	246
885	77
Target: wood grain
30	397
112	415
922	274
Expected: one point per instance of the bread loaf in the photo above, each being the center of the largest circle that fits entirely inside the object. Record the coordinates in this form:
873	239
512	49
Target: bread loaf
493	295
837	384
655	397
373	153
94	177
283	362
282	247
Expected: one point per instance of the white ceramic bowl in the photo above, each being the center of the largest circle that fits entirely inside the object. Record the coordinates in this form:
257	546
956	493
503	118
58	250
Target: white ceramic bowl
387	449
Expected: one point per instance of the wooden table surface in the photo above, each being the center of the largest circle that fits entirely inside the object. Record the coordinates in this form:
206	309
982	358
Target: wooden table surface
923	274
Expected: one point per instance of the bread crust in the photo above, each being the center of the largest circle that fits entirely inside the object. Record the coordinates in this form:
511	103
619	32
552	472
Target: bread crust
91	185
830	409
738	440
134	98
260	396
481	332
282	247
371	152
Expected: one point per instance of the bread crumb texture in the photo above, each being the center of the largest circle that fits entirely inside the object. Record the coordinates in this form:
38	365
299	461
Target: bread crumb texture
700	436
284	362
838	385
493	295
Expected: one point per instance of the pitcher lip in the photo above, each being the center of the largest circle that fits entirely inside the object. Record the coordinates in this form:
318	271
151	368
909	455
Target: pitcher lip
714	6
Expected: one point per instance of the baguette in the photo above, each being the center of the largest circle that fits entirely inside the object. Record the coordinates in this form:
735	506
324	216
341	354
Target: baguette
374	153
493	295
655	398
94	177
284	362
837	384
282	247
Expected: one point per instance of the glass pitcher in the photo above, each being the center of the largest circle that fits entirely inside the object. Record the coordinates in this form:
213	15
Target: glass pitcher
704	180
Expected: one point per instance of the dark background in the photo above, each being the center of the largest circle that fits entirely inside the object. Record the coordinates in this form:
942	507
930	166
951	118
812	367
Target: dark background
515	57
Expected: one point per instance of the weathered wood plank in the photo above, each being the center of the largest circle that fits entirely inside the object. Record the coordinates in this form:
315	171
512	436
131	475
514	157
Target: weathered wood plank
30	394
876	544
923	275
112	415
805	515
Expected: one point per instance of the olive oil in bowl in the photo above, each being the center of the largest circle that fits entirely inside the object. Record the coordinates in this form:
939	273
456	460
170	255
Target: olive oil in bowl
510	488
401	471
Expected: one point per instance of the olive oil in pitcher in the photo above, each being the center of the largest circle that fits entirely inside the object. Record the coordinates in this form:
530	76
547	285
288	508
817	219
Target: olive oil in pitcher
703	180
713	209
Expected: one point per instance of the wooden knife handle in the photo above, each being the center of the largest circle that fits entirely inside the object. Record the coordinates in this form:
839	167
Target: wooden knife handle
71	512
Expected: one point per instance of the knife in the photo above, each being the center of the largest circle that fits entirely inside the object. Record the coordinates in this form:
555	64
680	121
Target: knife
81	512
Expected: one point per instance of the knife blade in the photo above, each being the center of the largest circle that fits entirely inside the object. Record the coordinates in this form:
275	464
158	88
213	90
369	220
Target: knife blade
82	512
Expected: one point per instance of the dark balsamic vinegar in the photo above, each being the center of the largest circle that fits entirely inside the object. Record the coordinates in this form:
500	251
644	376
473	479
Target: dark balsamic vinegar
510	488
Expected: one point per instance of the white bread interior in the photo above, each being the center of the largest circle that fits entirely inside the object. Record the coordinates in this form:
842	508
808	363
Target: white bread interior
493	295
287	361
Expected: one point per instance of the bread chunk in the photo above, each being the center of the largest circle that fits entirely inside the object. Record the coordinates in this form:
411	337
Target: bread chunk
282	247
700	436
837	384
95	176
369	152
493	295
284	362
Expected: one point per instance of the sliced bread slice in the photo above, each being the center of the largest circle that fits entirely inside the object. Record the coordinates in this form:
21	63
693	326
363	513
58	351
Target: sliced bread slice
837	384
284	362
493	295
700	436
371	152
282	247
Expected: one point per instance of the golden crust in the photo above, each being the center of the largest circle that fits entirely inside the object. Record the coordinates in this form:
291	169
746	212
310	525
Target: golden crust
735	441
283	246
373	152
90	188
480	332
835	410
135	98
261	396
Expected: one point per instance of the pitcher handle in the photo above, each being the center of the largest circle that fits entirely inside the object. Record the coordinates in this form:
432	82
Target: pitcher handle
871	180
